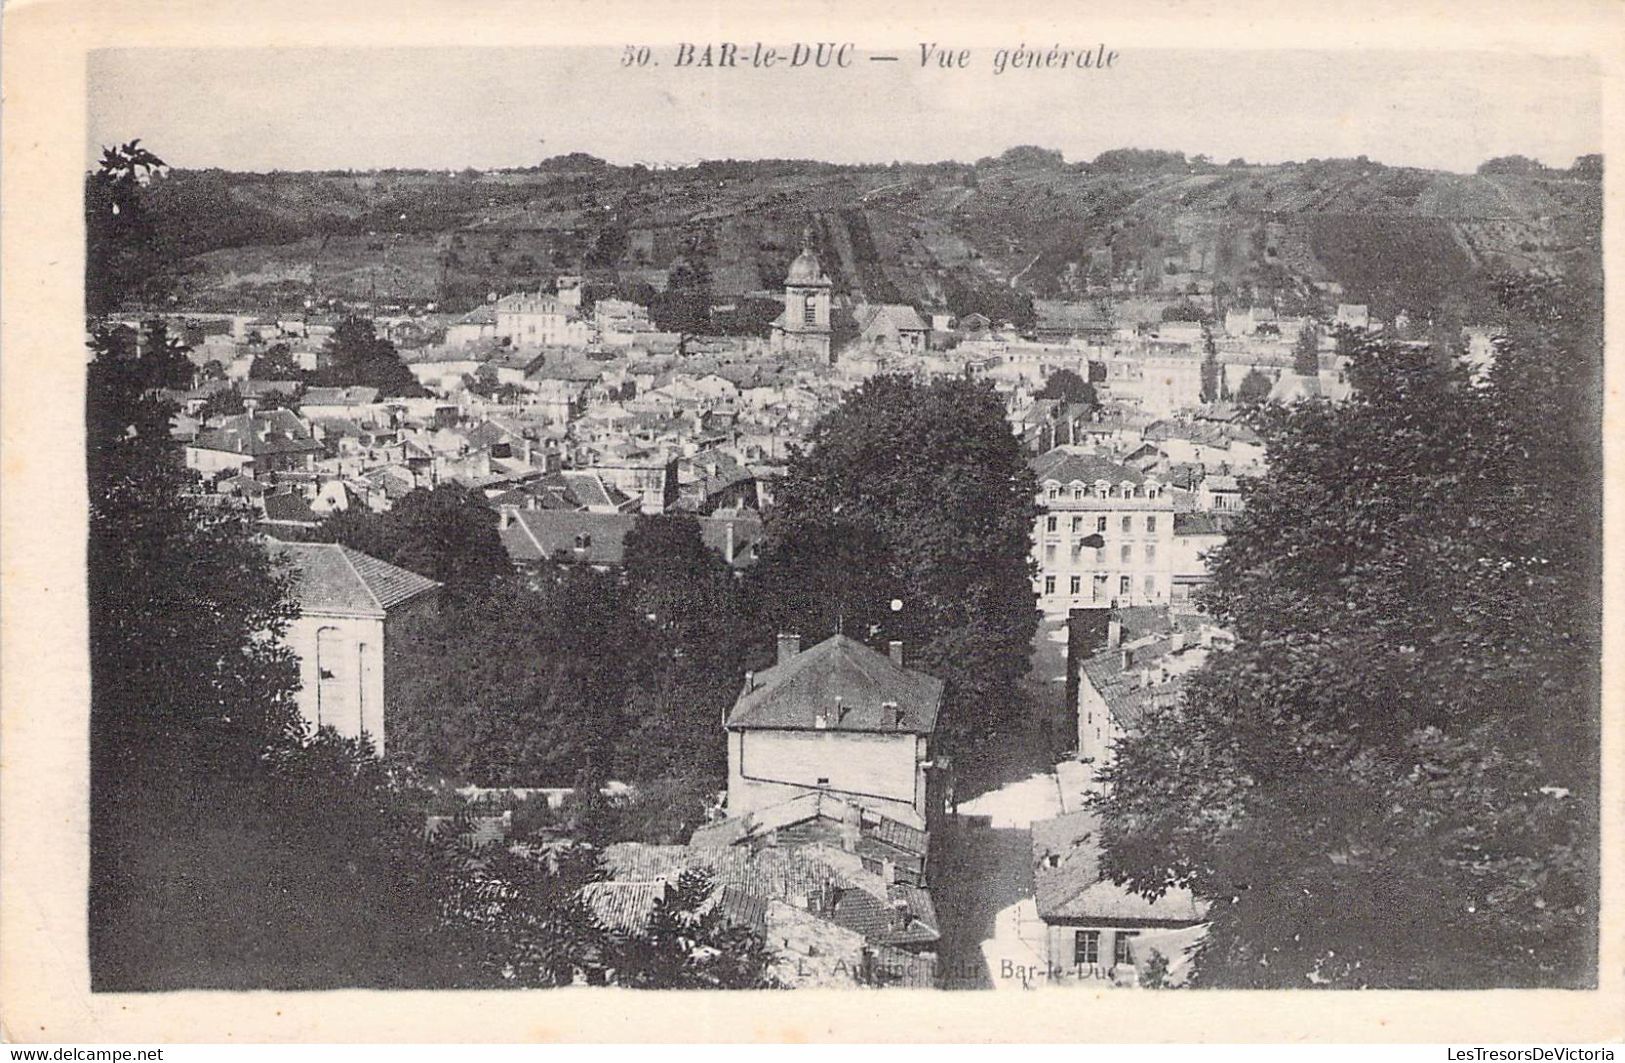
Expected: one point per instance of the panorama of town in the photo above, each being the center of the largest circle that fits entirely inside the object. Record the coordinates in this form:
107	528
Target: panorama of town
801	653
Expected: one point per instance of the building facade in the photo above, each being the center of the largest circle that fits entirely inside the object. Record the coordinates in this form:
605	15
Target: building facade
1104	535
350	606
839	718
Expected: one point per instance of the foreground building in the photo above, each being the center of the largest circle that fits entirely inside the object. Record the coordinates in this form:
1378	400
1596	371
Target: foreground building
843	719
350	606
1096	932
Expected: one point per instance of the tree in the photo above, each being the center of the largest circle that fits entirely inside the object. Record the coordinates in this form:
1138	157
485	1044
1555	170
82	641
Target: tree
514	687
1254	388
1067	386
698	633
689	944
129	258
448	533
1212	371
919	493
358	357
1392	780
275	364
217	822
1306	352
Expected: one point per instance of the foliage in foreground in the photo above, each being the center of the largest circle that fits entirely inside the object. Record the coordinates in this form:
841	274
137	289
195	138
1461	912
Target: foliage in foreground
1392	781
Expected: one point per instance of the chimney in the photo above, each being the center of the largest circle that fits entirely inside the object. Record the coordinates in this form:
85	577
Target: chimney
728	543
851	827
507	516
840	710
750	681
821	719
1179	641
1128	659
1114	632
895	646
789	646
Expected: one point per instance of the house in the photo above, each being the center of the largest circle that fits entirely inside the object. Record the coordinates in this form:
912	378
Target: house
254	444
895	327
350	607
477	326
1148	654
841	718
539	320
1104	534
1097	933
1196	535
354	402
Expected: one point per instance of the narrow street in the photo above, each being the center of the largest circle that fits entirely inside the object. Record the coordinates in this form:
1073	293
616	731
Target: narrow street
985	894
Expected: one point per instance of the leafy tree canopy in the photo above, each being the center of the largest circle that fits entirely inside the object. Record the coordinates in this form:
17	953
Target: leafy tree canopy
1392	780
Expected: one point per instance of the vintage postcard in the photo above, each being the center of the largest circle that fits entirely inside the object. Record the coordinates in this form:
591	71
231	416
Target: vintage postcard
935	524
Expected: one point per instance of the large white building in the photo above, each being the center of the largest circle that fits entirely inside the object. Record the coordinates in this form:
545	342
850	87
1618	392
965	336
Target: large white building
537	319
1104	535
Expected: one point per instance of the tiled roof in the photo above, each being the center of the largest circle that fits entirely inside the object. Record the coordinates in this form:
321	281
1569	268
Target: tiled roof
259	434
623	906
1073	889
330	578
1065	467
789	696
536	535
1204	523
873	826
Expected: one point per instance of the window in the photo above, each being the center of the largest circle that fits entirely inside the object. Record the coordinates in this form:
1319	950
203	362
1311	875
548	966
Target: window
1151	524
1077	525
1052	494
1099	590
1100	524
1086	948
1077	492
1128	525
1077	584
1150	586
1127	553
1150	552
1049	553
1049	585
1122	950
1123	586
1050	524
809	311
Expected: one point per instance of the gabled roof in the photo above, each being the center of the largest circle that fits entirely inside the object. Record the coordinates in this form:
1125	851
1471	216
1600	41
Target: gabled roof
1073	890
330	578
258	434
791	695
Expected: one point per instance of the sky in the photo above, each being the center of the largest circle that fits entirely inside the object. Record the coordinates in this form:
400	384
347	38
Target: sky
453	107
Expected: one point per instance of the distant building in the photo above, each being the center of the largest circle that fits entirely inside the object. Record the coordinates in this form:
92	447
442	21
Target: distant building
894	327
540	537
1104	536
842	719
804	327
254	444
539	320
350	607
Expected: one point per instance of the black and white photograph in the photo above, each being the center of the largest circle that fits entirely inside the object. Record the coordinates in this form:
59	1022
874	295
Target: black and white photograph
1041	517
